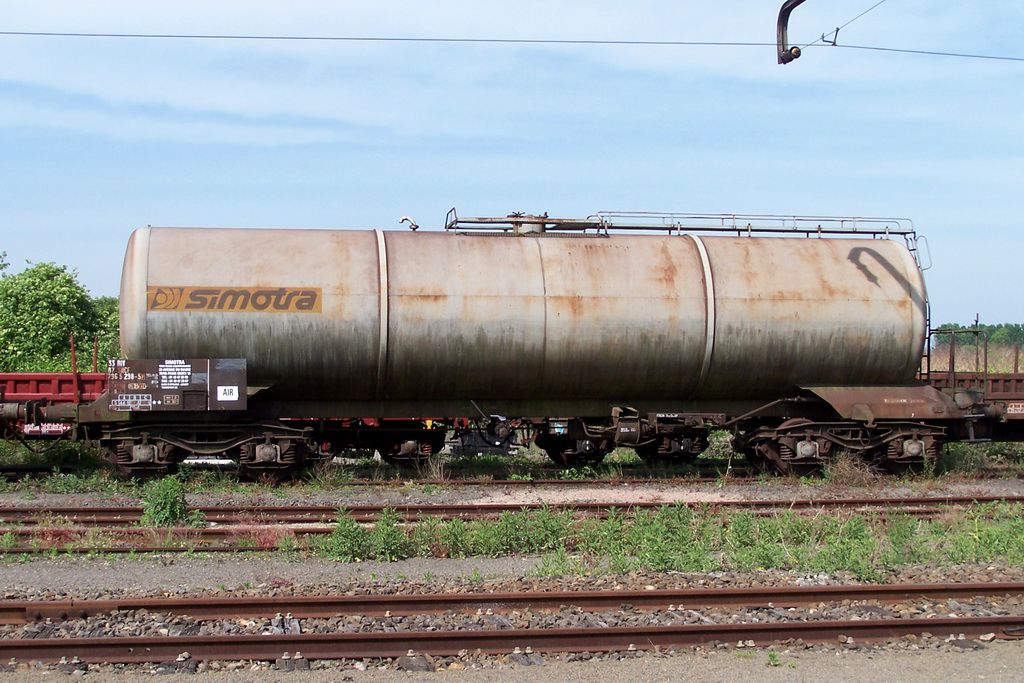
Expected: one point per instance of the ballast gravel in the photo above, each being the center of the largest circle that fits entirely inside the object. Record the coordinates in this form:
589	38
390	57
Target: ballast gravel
578	666
180	575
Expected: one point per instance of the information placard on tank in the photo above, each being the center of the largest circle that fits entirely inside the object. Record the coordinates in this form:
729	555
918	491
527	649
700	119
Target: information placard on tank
176	384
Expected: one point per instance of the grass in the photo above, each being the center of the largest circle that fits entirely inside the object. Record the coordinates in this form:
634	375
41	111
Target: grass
97	481
965	458
676	538
672	538
970	359
326	476
530	532
52	454
849	470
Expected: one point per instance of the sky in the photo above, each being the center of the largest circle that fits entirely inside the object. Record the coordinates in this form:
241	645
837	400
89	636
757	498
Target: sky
100	136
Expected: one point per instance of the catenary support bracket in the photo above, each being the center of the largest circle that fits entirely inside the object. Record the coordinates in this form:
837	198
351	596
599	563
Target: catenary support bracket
786	54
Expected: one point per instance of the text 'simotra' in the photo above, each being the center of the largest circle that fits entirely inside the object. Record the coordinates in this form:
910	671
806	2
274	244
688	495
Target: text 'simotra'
236	299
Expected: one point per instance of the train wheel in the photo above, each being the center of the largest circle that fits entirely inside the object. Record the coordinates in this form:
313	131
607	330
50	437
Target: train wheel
781	456
271	462
757	460
778	456
405	454
267	475
571	453
909	456
681	451
412	452
652	455
742	445
159	460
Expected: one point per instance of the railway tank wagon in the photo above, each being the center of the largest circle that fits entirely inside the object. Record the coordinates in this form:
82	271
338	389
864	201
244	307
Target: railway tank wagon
646	337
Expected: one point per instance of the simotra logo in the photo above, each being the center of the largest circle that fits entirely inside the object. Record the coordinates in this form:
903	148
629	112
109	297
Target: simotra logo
236	299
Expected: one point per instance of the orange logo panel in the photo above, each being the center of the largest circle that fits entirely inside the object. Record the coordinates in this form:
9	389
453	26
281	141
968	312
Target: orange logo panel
236	299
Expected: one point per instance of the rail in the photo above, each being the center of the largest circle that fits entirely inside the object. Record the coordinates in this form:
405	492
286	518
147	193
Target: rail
13	612
369	513
380	644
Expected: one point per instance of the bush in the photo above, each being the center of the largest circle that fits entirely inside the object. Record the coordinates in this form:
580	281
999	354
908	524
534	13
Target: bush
348	541
164	504
388	540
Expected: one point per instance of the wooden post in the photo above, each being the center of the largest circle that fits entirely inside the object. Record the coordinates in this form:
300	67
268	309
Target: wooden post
74	369
952	360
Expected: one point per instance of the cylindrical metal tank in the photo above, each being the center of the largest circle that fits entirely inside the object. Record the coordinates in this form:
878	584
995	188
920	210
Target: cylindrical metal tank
361	315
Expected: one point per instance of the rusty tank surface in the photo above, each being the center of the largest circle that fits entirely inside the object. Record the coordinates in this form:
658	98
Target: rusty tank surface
524	323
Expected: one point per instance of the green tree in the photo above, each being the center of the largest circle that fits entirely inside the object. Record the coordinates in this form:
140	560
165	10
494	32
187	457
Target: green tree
1006	333
39	308
1001	333
107	328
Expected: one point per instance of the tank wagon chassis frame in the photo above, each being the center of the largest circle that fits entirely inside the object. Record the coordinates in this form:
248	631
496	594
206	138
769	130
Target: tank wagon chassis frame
143	436
148	415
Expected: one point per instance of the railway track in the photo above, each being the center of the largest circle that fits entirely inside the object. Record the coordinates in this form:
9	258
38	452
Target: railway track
26	611
708	475
129	650
709	472
372	644
310	514
117	529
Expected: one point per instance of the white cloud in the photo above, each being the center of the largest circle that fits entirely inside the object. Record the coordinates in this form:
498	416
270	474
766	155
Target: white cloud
267	90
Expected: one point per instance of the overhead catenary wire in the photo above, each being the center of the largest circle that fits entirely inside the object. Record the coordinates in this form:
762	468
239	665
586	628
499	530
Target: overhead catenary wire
391	39
835	33
498	41
937	53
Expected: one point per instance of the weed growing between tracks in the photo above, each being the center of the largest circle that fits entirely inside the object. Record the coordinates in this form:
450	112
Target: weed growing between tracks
512	533
677	538
164	505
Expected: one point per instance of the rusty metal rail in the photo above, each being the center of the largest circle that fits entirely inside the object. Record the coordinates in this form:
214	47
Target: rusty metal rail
305	514
232	527
735	474
326	606
441	643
